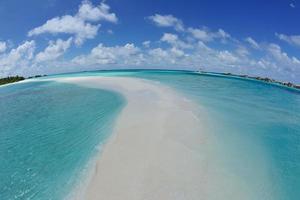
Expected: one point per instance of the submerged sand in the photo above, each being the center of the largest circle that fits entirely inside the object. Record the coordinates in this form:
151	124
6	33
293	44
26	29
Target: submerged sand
152	153
159	148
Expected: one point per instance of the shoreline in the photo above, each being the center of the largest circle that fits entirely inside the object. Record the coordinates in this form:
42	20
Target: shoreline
163	146
160	148
266	80
272	82
141	155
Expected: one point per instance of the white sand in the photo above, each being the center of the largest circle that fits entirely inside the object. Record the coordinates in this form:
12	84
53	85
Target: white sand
153	151
159	149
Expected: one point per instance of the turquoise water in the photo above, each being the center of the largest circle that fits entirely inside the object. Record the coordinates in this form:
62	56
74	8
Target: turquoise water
48	132
257	127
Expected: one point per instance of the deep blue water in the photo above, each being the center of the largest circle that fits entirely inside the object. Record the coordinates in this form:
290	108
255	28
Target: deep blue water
48	133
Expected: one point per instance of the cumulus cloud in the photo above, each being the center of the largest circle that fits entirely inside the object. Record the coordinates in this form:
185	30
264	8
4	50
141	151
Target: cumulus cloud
252	42
227	57
206	35
169	37
81	25
88	12
278	64
161	58
167	21
282	57
69	25
158	53
190	48
24	50
272	62
291	39
212	59
102	55
173	40
2	47
53	50
242	51
167	55
16	58
146	43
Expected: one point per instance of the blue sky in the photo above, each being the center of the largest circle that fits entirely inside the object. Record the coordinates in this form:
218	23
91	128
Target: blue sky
246	37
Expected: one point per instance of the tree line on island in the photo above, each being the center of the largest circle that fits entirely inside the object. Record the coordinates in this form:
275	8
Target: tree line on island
258	78
266	79
13	79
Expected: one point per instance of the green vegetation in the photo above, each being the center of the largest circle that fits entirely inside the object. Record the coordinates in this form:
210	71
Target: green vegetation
11	79
269	80
36	76
263	79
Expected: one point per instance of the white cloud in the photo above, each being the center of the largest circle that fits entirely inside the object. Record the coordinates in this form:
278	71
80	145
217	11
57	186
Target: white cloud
78	25
25	50
242	51
292	5
282	57
3	47
102	55
167	21
277	64
206	35
227	57
222	34
146	43
252	42
204	57
17	58
291	39
54	50
177	52
189	49
88	12
203	34
166	53
174	40
69	25
158	53
273	62
169	37
200	34
165	57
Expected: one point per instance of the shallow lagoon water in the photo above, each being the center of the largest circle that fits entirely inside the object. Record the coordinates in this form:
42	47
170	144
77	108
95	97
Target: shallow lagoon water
256	127
48	133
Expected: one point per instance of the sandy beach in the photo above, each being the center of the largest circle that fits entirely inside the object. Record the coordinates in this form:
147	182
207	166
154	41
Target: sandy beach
152	153
162	146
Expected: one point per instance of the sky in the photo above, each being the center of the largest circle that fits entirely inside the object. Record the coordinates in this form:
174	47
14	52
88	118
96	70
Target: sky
254	37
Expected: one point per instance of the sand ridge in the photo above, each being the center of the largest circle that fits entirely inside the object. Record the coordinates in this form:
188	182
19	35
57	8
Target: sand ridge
153	151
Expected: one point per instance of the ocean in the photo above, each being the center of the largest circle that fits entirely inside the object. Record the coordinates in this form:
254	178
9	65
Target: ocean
49	131
256	127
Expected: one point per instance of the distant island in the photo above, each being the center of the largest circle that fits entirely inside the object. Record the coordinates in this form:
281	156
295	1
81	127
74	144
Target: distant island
36	76
13	79
263	79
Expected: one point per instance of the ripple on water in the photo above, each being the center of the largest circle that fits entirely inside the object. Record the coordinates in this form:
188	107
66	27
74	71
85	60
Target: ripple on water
48	131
